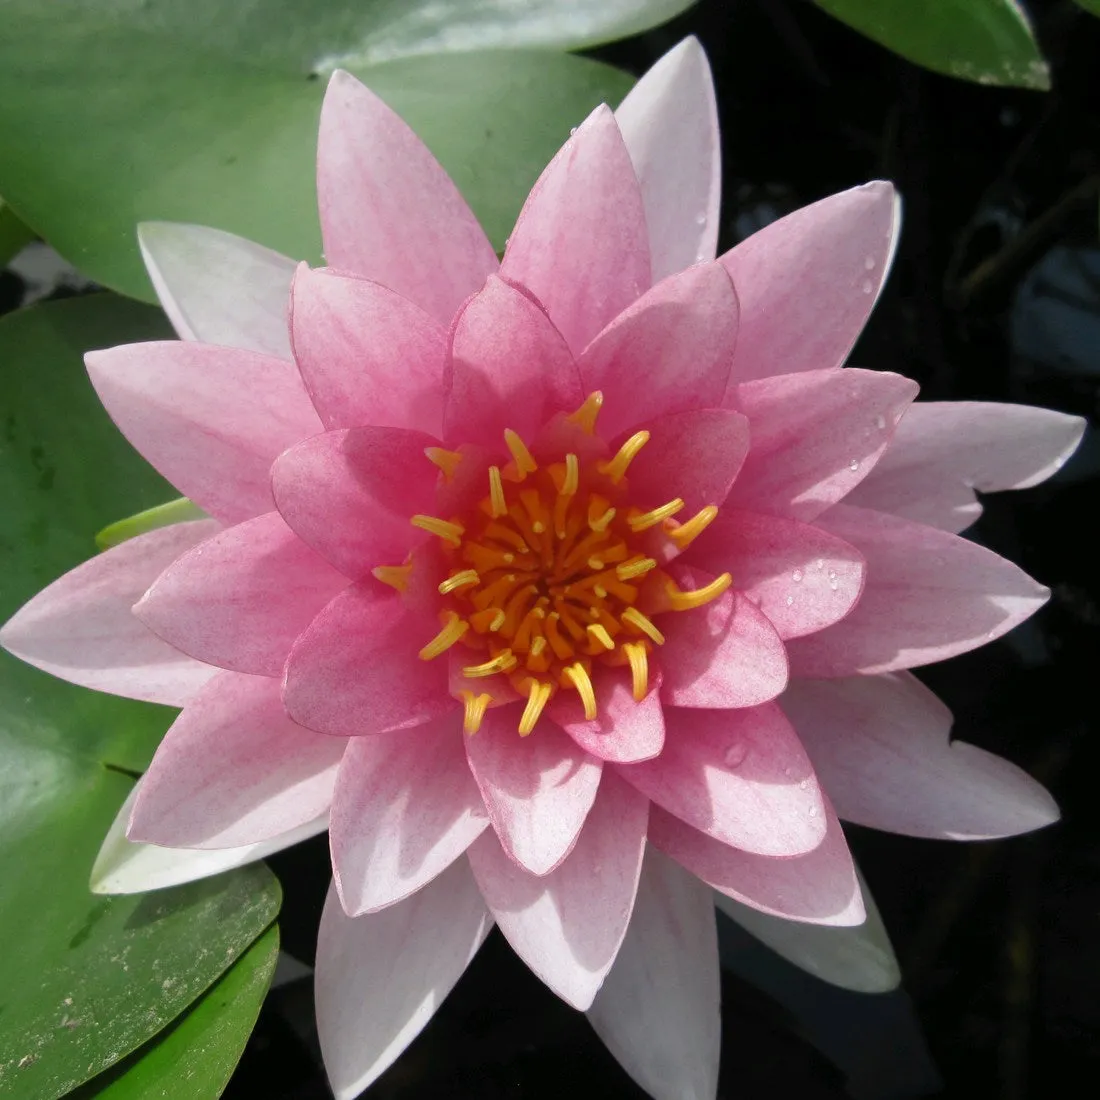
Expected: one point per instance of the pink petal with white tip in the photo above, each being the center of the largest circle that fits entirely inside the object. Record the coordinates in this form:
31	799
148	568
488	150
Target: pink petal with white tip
567	926
882	747
388	209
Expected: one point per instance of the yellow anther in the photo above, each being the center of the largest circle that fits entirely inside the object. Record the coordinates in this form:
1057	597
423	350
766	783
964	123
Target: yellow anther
498	506
684	534
679	600
600	512
616	468
504	661
396	576
448	532
598	633
645	520
488	621
525	463
600	591
585	416
459	580
538	695
577	675
446	638
639	668
532	503
475	705
447	461
636	567
636	619
538	644
572	476
595	564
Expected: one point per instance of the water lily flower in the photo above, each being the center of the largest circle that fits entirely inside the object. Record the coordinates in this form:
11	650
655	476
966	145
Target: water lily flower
569	588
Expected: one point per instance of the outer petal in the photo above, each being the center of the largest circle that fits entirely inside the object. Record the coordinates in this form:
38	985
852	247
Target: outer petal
210	419
815	436
580	244
81	627
350	494
240	599
538	790
943	450
809	281
355	669
509	367
929	596
803	578
388	210
739	776
125	867
658	1009
669	351
567	926
881	746
219	288
669	122
381	977
234	770
367	355
819	887
405	808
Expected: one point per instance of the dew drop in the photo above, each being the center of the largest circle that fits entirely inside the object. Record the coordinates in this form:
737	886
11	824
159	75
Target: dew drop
880	423
834	584
869	263
735	754
700	219
796	576
572	130
820	563
853	465
788	772
868	287
803	785
813	811
790	600
832	574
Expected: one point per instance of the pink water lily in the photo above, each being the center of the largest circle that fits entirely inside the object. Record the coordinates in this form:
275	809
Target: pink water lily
571	587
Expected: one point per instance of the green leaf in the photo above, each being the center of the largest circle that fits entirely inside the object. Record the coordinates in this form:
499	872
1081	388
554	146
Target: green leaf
84	980
13	233
179	510
988	41
117	112
1092	6
194	1057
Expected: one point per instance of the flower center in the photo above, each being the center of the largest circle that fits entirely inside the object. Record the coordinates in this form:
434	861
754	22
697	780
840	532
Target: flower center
549	576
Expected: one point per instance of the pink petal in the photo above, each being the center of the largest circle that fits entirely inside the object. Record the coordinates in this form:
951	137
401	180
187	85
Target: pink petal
623	731
81	627
509	367
580	244
881	746
669	351
219	288
943	450
538	789
739	776
388	210
928	596
240	599
803	578
819	887
815	436
381	977
567	926
351	494
355	670
234	770
367	355
808	282
658	1010
669	123
405	808
724	654
210	419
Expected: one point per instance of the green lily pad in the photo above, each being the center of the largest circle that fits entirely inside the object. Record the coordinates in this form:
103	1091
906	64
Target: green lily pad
988	41
13	233
117	112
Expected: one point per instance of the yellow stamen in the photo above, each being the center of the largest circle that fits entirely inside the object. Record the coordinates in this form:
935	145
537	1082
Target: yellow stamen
475	705
497	505
636	567
447	461
636	619
684	534
538	644
486	558
459	580
684	601
396	576
505	534
595	564
538	695
577	675
563	650
646	520
616	468
639	668
504	661
572	476
448	532
586	415
598	632
525	463
446	638
600	513
488	621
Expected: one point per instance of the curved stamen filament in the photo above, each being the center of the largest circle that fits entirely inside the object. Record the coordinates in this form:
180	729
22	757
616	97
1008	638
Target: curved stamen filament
396	576
645	520
444	529
454	629
475	706
525	463
538	695
497	505
504	661
684	534
585	416
459	580
639	668
679	600
598	633
447	461
577	675
642	623
636	567
616	468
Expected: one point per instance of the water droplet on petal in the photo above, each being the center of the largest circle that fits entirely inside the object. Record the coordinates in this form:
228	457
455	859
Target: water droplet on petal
869	263
700	219
880	423
868	287
788	772
834	584
813	811
796	576
803	785
572	130
820	563
832	574
790	600
853	465
735	754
